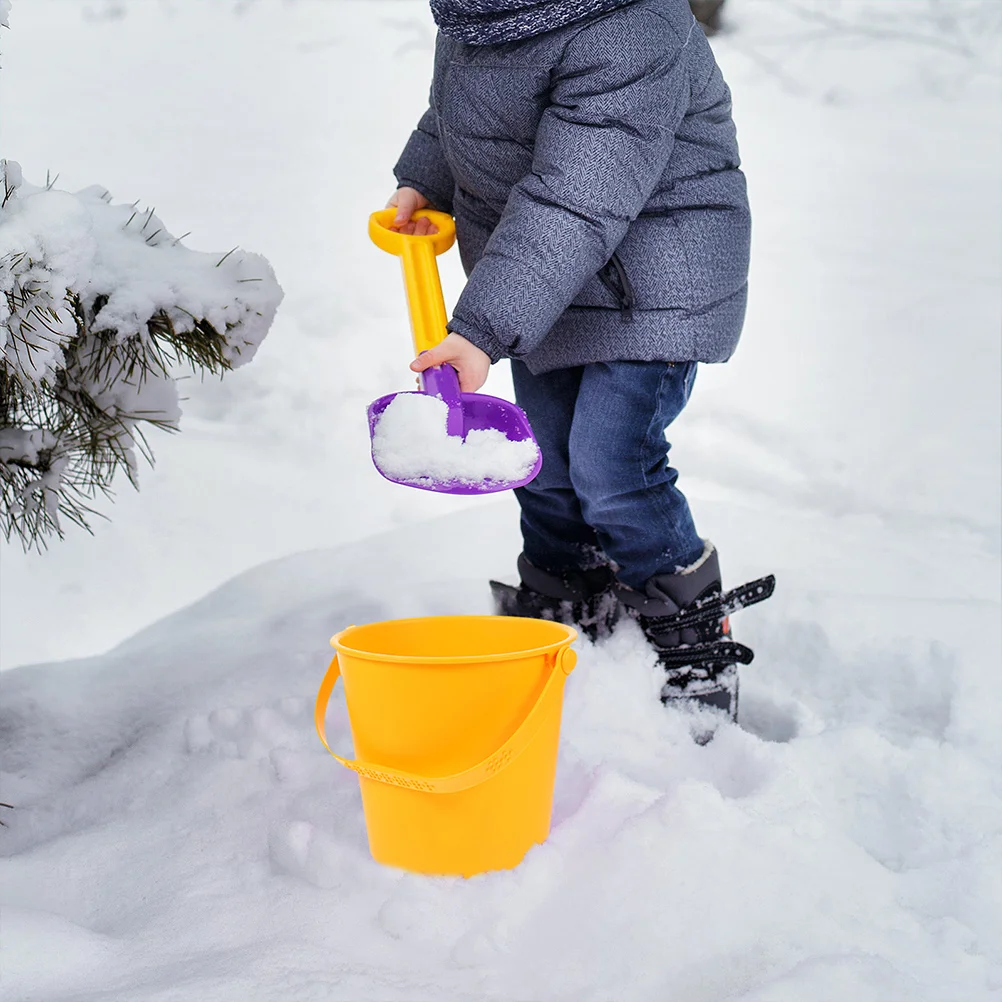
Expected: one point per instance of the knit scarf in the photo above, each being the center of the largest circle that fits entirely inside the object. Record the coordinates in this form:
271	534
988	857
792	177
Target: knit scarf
488	22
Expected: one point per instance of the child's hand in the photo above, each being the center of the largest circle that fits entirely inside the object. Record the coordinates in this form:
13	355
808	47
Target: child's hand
407	201
466	358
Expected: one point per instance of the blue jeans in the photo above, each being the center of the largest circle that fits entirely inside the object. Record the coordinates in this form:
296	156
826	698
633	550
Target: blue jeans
606	491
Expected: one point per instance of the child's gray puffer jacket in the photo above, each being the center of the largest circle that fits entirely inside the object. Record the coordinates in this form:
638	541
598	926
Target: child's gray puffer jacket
593	173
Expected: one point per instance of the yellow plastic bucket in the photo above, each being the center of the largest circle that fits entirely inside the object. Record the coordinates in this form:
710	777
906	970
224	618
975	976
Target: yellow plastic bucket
456	723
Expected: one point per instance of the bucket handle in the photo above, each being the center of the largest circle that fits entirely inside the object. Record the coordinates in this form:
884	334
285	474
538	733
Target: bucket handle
563	665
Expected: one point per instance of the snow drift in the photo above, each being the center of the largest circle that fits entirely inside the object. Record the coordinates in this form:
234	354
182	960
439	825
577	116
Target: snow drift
181	833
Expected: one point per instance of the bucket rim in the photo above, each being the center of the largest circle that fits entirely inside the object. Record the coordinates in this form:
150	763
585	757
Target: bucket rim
337	642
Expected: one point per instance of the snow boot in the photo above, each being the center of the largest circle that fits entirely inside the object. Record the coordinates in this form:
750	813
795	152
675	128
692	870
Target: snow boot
584	599
685	617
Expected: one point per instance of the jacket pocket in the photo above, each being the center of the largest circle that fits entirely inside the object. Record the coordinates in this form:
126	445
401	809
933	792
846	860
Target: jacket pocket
611	288
616	279
648	271
686	259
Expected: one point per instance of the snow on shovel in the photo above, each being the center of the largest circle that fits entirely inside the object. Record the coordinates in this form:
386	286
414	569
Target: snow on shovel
439	438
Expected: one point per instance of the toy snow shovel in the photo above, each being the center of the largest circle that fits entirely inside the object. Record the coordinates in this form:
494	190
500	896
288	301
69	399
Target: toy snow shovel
467	412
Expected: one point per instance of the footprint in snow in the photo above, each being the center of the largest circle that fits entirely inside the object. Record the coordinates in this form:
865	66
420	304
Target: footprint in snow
769	719
435	913
251	732
300	849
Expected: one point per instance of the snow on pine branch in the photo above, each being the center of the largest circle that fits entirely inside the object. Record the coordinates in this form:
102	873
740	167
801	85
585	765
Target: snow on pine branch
4	15
99	305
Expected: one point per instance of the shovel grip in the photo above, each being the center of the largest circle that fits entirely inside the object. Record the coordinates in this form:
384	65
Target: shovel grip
421	280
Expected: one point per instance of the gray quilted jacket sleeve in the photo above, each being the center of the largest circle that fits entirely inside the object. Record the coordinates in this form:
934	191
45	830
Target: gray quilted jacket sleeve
422	165
619	94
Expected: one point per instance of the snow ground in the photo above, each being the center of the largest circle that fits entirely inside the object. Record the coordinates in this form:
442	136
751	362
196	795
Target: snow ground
180	834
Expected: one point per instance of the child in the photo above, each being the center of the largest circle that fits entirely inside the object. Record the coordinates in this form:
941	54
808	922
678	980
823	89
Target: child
587	152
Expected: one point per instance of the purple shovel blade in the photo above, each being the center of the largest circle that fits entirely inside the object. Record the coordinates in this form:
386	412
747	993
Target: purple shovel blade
467	412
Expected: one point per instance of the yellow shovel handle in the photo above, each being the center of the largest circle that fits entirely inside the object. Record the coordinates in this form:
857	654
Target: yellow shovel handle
563	665
421	280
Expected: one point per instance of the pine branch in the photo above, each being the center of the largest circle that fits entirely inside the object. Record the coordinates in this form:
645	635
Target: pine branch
78	397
